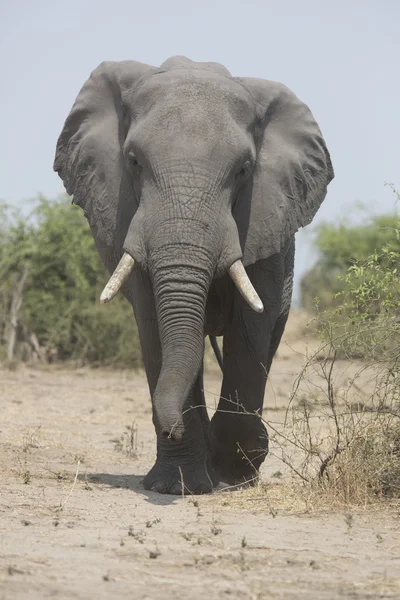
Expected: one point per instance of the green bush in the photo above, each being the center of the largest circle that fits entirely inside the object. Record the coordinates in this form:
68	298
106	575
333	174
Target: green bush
61	295
367	318
339	248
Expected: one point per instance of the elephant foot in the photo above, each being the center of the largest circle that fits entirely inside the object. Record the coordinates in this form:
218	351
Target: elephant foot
236	459
233	472
167	478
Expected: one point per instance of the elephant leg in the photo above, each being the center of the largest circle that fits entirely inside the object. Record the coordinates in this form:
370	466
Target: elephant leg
286	300
186	461
277	333
185	466
239	439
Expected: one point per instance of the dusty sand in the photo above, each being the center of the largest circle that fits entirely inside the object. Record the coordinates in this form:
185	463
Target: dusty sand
75	521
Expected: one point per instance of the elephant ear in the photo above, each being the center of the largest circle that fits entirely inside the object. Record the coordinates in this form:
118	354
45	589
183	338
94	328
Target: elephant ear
292	172
89	156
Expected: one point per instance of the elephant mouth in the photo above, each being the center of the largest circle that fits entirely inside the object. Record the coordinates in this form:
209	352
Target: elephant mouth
236	271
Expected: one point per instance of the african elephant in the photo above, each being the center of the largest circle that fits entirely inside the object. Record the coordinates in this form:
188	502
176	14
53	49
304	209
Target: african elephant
194	183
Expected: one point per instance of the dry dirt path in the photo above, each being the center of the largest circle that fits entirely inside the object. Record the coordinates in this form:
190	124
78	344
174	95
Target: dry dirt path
76	523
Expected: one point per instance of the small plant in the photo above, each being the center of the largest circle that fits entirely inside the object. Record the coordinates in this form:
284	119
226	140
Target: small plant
132	441
153	522
128	441
139	536
215	530
348	519
26	477
118	444
30	440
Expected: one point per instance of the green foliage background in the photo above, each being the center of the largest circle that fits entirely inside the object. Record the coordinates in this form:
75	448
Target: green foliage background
355	289
61	295
341	247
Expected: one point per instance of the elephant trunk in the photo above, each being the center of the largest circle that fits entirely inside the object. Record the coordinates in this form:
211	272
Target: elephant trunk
180	290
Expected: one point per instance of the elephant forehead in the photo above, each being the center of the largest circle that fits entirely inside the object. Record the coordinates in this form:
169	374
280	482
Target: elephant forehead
191	94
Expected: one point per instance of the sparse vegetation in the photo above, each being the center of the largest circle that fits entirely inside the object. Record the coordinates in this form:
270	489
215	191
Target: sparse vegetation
349	439
344	443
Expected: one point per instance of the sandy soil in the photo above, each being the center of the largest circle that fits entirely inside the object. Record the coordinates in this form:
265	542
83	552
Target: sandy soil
76	523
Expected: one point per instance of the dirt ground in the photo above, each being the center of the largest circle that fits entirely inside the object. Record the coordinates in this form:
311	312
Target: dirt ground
75	521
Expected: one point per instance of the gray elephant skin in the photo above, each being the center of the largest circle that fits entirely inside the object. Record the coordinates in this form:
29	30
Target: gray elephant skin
188	173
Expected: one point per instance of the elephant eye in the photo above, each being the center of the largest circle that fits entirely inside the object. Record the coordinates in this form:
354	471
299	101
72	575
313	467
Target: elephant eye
245	170
132	159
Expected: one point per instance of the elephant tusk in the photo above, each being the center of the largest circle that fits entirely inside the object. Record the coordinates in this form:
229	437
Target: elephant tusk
245	287
117	279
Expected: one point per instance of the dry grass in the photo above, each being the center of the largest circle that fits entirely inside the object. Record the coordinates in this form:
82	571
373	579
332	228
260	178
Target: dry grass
341	443
293	497
369	469
273	498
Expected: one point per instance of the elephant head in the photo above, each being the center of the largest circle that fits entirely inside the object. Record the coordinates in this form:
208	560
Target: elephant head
191	174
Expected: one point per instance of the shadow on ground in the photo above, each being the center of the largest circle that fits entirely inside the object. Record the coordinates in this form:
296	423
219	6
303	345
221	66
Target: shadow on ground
128	482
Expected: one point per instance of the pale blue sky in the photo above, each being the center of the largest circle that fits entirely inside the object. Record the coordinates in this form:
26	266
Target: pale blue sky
341	57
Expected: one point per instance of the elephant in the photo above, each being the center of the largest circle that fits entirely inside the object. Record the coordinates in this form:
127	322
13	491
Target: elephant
194	183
